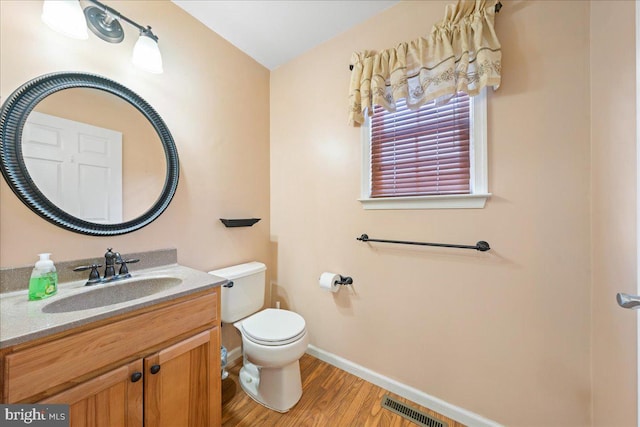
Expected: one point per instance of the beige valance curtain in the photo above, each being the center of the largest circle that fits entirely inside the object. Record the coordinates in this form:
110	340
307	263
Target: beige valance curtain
462	54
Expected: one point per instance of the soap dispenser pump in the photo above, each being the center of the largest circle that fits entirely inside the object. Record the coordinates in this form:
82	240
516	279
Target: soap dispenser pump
44	279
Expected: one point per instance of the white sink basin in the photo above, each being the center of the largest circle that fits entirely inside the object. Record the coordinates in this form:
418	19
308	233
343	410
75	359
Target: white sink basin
102	295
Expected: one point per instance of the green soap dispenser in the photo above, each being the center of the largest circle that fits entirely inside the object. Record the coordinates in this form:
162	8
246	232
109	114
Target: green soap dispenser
44	279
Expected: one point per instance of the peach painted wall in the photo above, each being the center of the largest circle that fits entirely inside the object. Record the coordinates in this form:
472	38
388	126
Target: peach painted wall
213	98
505	334
613	152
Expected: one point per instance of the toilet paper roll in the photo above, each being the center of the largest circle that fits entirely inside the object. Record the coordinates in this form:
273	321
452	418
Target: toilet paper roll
329	281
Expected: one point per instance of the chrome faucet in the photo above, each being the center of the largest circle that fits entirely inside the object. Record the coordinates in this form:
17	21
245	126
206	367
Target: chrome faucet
110	260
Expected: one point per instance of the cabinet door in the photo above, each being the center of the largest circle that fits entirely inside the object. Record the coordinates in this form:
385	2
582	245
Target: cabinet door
182	383
112	399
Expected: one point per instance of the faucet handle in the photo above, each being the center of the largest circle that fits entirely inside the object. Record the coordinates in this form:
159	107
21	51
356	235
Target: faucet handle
94	275
123	265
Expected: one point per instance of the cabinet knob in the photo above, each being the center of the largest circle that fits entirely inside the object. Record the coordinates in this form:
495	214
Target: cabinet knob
136	376
155	369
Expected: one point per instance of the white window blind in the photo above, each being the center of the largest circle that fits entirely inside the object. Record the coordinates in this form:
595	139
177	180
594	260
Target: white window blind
421	152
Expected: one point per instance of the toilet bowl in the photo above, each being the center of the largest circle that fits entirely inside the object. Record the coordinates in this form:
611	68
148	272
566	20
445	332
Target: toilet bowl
273	340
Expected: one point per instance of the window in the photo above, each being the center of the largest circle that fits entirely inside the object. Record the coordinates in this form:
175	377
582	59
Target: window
430	158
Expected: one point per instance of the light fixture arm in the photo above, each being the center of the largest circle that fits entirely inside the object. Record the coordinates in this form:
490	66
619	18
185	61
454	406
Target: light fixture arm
110	11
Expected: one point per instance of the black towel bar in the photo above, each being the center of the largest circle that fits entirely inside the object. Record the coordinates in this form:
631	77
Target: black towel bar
481	246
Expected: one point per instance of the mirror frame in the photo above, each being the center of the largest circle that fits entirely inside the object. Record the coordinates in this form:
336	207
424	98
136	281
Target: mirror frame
13	115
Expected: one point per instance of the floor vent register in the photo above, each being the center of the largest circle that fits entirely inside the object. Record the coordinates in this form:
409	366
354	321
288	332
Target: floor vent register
412	414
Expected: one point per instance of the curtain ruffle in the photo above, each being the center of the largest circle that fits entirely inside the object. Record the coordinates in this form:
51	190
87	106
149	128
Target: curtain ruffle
461	54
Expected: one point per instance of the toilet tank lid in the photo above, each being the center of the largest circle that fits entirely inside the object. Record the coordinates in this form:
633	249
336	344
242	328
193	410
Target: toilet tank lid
240	270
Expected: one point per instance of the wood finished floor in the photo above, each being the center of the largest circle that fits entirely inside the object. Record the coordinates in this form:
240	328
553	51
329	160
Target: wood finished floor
331	397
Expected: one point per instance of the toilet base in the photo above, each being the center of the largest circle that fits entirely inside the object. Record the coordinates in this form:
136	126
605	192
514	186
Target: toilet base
278	389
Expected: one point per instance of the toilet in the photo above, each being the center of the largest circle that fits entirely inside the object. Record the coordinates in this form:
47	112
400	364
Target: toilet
273	340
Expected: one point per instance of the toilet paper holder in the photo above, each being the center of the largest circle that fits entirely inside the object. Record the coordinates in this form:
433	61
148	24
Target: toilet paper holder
345	280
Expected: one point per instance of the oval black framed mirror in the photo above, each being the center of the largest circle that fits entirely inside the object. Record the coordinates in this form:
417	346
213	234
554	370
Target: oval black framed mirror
17	111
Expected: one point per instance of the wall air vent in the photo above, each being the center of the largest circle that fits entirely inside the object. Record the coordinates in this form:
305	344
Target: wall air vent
413	415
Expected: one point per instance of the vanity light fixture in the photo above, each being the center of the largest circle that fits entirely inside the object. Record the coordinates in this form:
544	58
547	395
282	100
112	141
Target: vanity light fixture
65	16
146	54
103	21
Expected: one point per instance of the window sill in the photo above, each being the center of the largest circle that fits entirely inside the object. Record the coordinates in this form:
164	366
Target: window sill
453	201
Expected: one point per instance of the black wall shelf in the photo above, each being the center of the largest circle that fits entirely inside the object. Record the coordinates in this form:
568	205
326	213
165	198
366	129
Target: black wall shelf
242	222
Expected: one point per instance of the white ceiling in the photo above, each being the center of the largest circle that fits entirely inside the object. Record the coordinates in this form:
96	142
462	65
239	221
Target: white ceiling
274	32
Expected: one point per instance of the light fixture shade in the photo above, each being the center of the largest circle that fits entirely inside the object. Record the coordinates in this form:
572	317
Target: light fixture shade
146	54
66	17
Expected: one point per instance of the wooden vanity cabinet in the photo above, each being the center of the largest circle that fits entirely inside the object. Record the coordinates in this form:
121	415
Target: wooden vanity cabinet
111	399
181	391
156	367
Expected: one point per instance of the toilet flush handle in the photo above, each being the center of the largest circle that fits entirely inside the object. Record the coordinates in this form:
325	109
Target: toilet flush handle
229	284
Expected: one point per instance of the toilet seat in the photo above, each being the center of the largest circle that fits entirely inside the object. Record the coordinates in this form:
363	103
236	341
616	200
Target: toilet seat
273	327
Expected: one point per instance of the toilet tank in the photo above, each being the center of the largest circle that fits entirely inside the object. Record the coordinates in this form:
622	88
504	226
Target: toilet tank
246	296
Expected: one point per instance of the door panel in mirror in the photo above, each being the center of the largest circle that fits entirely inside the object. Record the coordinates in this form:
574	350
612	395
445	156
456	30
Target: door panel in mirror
143	163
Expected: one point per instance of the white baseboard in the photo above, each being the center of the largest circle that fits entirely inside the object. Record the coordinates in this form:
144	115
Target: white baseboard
233	355
448	410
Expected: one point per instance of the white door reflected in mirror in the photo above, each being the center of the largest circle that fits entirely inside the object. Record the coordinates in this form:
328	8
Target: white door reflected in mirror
75	165
92	193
